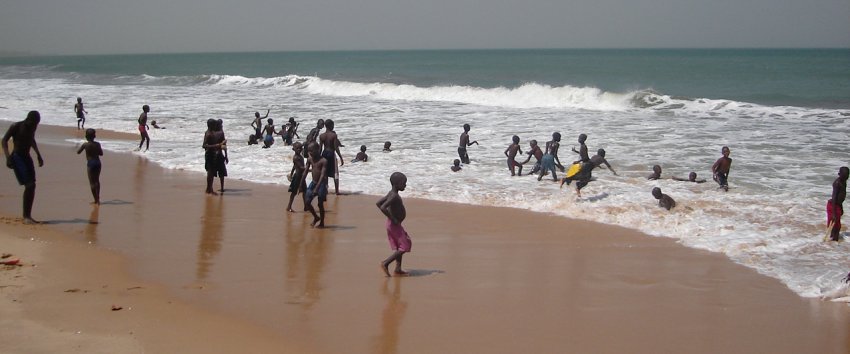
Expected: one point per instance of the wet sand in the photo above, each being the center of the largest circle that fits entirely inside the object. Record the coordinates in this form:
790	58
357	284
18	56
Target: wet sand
492	280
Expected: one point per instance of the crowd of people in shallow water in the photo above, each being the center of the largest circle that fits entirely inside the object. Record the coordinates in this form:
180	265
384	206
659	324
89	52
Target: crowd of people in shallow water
318	153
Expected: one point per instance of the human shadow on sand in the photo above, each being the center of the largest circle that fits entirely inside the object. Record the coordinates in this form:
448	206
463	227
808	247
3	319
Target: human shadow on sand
116	202
423	272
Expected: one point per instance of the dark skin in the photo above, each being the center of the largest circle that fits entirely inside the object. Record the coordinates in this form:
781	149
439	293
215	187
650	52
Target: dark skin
330	142
692	177
456	166
535	151
582	151
81	114
23	135
656	173
93	152
143	122
392	207
269	130
664	200
257	123
214	141
839	193
464	142
297	169
511	153
552	149
722	166
317	165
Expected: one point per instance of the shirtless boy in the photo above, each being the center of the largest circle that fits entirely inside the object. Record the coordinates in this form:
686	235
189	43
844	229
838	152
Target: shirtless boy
720	169
537	153
318	167
511	153
361	156
834	207
692	177
93	166
582	151
23	137
257	123
550	157
330	146
392	206
664	200
296	183
464	143
81	114
143	128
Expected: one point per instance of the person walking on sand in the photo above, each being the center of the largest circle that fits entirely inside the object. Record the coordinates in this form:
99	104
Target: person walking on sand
143	128
550	158
257	123
392	207
330	146
464	143
23	137
834	207
81	114
93	165
215	154
511	153
720	169
318	167
296	175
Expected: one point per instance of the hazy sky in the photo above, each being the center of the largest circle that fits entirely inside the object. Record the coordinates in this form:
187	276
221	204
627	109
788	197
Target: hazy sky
144	26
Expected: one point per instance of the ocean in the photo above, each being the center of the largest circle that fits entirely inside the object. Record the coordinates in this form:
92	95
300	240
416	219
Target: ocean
783	113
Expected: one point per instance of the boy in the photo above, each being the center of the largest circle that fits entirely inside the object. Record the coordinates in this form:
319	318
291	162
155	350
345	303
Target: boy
456	166
81	114
361	156
330	146
550	158
834	207
656	173
23	136
257	123
387	145
537	153
664	201
692	177
464	143
720	169
584	176
511	153
215	154
297	174
269	130
393	207
143	128
318	167
582	151
93	166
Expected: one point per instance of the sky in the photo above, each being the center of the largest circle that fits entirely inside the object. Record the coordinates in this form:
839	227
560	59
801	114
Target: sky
168	26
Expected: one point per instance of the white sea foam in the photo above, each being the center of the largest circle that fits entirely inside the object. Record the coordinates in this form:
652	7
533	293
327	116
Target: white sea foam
771	220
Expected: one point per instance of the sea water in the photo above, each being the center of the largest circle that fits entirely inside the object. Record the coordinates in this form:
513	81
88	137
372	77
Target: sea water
783	113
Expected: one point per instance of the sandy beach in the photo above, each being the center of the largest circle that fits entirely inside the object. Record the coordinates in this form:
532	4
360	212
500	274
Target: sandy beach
235	273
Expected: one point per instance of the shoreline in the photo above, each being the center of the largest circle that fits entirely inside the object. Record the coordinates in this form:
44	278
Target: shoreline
240	257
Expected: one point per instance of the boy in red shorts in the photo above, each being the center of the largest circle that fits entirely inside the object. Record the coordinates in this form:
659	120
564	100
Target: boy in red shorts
392	206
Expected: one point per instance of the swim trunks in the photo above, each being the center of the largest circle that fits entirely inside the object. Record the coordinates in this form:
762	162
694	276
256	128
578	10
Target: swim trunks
295	183
461	151
331	166
836	228
24	168
398	238
142	129
312	191
512	163
269	139
215	164
94	165
721	179
548	162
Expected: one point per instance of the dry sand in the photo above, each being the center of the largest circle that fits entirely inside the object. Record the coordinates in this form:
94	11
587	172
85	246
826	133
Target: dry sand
235	273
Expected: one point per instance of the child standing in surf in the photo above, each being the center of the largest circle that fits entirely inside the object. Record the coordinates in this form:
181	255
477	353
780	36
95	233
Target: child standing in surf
721	167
